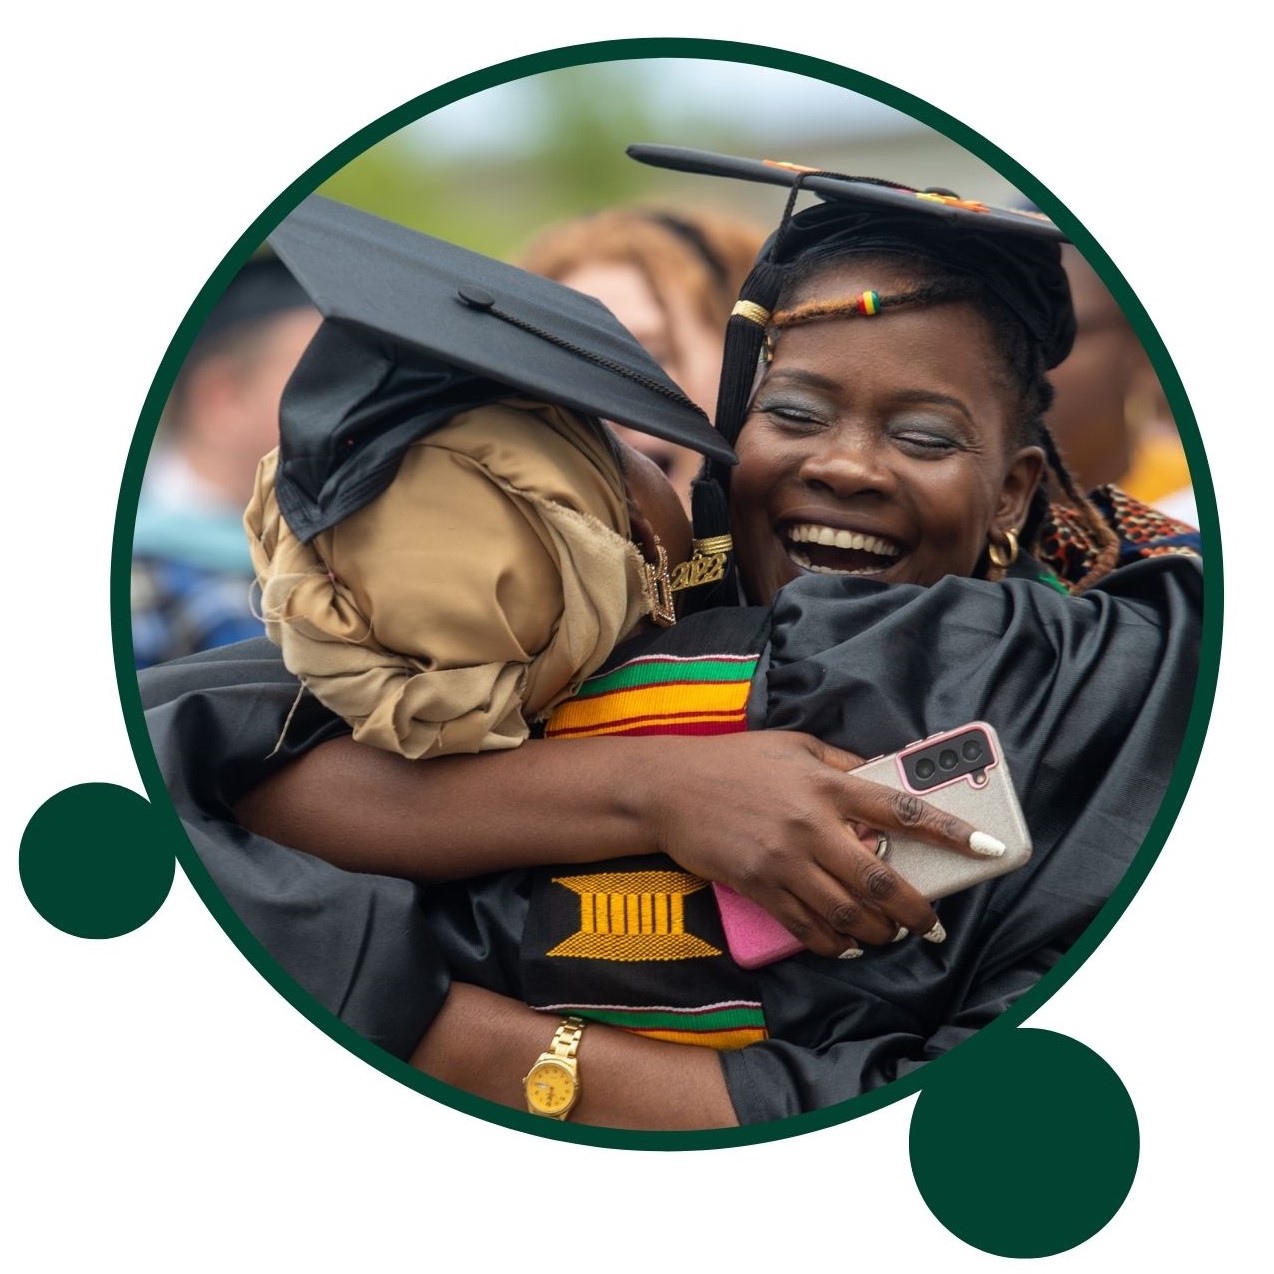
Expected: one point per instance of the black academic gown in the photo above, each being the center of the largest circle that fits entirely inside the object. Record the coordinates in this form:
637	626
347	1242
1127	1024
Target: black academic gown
359	944
1090	697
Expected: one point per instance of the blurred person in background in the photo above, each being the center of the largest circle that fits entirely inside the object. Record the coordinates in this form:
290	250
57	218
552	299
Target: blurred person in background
671	278
1110	415
191	571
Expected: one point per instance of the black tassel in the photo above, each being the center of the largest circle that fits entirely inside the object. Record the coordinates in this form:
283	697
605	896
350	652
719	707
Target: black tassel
710	509
744	341
744	338
711	515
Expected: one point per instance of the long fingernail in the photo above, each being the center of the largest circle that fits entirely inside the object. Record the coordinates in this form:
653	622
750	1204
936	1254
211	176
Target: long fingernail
850	953
986	845
900	935
936	934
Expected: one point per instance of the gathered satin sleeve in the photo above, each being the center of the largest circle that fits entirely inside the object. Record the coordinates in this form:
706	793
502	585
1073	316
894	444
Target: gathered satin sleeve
478	590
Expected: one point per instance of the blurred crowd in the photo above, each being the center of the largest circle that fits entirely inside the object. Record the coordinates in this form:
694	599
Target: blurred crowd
671	277
191	572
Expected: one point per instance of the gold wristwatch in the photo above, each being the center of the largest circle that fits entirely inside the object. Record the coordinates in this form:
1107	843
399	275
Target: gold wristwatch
552	1085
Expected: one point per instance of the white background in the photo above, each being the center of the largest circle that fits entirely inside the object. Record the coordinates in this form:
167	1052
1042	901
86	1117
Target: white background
164	1108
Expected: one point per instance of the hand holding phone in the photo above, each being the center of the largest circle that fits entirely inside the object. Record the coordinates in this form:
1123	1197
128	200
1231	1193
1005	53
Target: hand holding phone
962	771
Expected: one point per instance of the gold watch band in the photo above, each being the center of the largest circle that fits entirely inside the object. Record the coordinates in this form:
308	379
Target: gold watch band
567	1037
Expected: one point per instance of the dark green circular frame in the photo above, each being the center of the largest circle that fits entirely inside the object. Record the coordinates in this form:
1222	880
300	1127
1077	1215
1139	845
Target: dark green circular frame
625	50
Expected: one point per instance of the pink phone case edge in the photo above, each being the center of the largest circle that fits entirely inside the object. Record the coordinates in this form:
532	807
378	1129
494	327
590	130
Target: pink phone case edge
754	937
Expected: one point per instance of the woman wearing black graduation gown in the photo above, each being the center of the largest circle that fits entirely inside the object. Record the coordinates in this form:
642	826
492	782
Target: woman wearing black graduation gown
1090	695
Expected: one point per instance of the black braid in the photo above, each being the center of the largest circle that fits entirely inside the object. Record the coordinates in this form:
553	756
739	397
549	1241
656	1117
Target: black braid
788	208
1105	539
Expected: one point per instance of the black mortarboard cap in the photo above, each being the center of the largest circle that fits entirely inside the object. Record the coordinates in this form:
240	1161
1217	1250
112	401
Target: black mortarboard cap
866	191
1014	252
416	329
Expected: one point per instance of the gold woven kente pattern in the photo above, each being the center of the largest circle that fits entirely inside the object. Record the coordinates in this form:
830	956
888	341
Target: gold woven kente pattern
633	915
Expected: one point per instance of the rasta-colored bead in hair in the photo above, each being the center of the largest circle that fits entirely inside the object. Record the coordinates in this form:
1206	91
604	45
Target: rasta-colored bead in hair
868	304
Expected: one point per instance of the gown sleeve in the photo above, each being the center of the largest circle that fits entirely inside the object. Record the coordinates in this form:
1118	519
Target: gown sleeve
1090	696
359	944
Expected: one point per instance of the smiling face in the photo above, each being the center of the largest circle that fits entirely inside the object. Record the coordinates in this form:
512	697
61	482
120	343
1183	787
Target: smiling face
883	447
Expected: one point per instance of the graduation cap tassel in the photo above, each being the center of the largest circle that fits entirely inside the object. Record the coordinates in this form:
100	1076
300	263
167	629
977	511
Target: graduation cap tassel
744	341
711	513
745	337
749	322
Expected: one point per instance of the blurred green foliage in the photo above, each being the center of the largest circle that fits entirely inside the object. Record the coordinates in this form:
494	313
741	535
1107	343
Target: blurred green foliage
577	122
491	170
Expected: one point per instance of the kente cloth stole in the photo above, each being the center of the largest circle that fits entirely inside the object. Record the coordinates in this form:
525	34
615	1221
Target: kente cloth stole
657	694
637	942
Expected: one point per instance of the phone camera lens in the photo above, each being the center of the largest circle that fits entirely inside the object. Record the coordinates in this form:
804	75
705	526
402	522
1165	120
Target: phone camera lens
972	749
924	768
948	759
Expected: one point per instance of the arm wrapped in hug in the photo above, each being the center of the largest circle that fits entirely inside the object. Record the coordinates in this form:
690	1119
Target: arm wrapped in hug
1090	696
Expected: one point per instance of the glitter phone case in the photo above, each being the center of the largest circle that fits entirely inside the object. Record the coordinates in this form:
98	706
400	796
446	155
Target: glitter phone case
962	771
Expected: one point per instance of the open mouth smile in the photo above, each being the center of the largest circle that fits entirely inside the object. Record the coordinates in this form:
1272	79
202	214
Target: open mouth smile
829	550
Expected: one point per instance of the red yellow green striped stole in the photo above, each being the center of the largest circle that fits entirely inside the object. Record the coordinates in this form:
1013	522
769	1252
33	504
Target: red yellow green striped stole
719	1026
651	938
658	694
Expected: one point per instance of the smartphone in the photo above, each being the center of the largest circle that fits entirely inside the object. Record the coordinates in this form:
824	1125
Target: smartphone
962	771
965	773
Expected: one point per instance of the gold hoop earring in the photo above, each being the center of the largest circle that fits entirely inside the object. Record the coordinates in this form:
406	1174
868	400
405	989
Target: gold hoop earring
656	588
1004	558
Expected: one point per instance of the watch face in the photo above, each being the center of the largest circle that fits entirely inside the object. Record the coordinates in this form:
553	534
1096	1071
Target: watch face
550	1088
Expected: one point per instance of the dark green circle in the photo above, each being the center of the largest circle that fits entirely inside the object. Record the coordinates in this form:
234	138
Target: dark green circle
1025	1144
95	861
